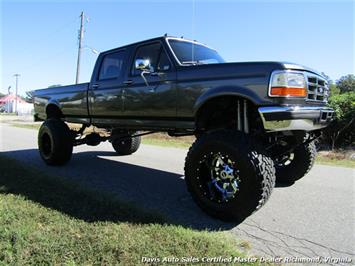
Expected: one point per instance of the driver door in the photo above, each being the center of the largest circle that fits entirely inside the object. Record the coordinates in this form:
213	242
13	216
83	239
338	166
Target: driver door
153	95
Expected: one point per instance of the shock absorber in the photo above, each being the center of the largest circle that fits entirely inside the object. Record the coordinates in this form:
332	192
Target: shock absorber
242	120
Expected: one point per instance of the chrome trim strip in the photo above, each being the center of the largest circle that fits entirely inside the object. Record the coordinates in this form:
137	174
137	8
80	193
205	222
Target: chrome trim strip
277	109
183	40
325	87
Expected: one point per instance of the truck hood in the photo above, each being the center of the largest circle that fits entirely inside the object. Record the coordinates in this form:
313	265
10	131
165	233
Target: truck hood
238	70
294	66
274	65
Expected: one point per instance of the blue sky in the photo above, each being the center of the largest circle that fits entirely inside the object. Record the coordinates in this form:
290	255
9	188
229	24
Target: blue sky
39	38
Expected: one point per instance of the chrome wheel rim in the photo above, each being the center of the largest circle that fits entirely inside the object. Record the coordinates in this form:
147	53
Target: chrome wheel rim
284	160
218	177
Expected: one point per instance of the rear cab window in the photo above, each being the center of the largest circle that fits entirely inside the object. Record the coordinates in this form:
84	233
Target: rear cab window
112	65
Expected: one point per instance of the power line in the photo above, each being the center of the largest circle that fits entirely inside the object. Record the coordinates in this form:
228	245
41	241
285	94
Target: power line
45	38
45	59
42	59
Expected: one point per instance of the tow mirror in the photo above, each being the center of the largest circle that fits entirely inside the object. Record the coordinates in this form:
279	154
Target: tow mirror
145	67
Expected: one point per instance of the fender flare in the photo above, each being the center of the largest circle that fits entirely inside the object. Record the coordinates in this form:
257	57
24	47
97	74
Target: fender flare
52	102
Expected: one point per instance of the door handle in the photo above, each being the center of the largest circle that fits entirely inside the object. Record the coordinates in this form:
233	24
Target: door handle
95	86
128	82
151	90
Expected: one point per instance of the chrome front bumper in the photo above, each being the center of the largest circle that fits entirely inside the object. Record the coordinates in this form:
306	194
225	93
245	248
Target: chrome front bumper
282	118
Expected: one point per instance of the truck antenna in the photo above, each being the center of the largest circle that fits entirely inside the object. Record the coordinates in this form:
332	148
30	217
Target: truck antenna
193	29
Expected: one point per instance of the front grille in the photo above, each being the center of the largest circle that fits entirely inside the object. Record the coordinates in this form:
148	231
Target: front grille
318	89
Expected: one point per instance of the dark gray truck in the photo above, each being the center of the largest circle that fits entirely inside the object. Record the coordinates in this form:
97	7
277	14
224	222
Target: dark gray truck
254	122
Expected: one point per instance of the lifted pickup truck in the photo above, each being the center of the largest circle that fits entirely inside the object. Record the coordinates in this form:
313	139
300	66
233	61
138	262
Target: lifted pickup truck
254	122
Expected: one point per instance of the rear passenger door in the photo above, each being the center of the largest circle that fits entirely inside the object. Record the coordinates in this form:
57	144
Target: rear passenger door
155	99
105	92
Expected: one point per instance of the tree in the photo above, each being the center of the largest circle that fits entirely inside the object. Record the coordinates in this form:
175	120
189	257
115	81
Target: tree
341	132
334	90
346	83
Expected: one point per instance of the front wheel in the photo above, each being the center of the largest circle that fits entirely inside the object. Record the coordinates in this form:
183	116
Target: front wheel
228	174
296	164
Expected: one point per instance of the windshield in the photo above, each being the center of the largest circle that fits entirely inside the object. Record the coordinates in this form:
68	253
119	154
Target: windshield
194	54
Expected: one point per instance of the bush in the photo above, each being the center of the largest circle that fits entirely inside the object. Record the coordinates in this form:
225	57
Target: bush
341	132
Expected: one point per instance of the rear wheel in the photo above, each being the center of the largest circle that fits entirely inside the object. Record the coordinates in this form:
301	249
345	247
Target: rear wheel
228	174
296	164
55	142
123	142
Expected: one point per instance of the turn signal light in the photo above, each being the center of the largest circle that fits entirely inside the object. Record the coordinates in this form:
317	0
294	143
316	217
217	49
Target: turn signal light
288	92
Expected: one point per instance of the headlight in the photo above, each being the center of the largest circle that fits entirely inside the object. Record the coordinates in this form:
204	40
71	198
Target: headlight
287	84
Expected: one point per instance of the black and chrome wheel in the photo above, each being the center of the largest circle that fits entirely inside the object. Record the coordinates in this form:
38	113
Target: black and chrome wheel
228	174
218	177
55	142
294	165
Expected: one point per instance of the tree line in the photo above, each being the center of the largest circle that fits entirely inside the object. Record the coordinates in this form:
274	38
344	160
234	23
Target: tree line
341	132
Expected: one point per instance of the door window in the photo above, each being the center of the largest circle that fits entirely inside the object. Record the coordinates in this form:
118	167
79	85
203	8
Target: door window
150	52
164	62
111	66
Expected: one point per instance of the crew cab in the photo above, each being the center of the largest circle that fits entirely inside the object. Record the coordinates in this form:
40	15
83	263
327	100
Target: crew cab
254	122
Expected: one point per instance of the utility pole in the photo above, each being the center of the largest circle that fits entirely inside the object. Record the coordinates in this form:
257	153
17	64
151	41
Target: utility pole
16	76
81	35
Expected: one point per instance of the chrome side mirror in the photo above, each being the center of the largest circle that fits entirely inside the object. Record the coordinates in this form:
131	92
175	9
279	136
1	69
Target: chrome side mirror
142	64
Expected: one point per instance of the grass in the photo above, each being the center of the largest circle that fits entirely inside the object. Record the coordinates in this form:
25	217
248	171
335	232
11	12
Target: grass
335	159
35	126
7	114
162	139
45	220
159	139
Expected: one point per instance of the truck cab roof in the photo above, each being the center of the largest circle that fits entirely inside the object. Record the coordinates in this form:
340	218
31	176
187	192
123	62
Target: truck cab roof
160	38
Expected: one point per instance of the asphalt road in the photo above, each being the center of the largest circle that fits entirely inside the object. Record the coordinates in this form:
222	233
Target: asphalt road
314	217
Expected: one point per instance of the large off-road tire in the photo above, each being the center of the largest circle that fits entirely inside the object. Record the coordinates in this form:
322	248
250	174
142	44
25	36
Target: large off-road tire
229	174
126	145
55	142
296	164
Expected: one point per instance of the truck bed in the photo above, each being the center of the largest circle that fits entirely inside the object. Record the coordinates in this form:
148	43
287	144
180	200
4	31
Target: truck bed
71	99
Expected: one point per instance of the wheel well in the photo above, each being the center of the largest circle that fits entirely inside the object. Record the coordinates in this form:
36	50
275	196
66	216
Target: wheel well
53	111
222	112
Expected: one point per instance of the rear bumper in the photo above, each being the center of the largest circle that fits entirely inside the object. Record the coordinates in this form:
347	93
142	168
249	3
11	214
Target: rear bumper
282	118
